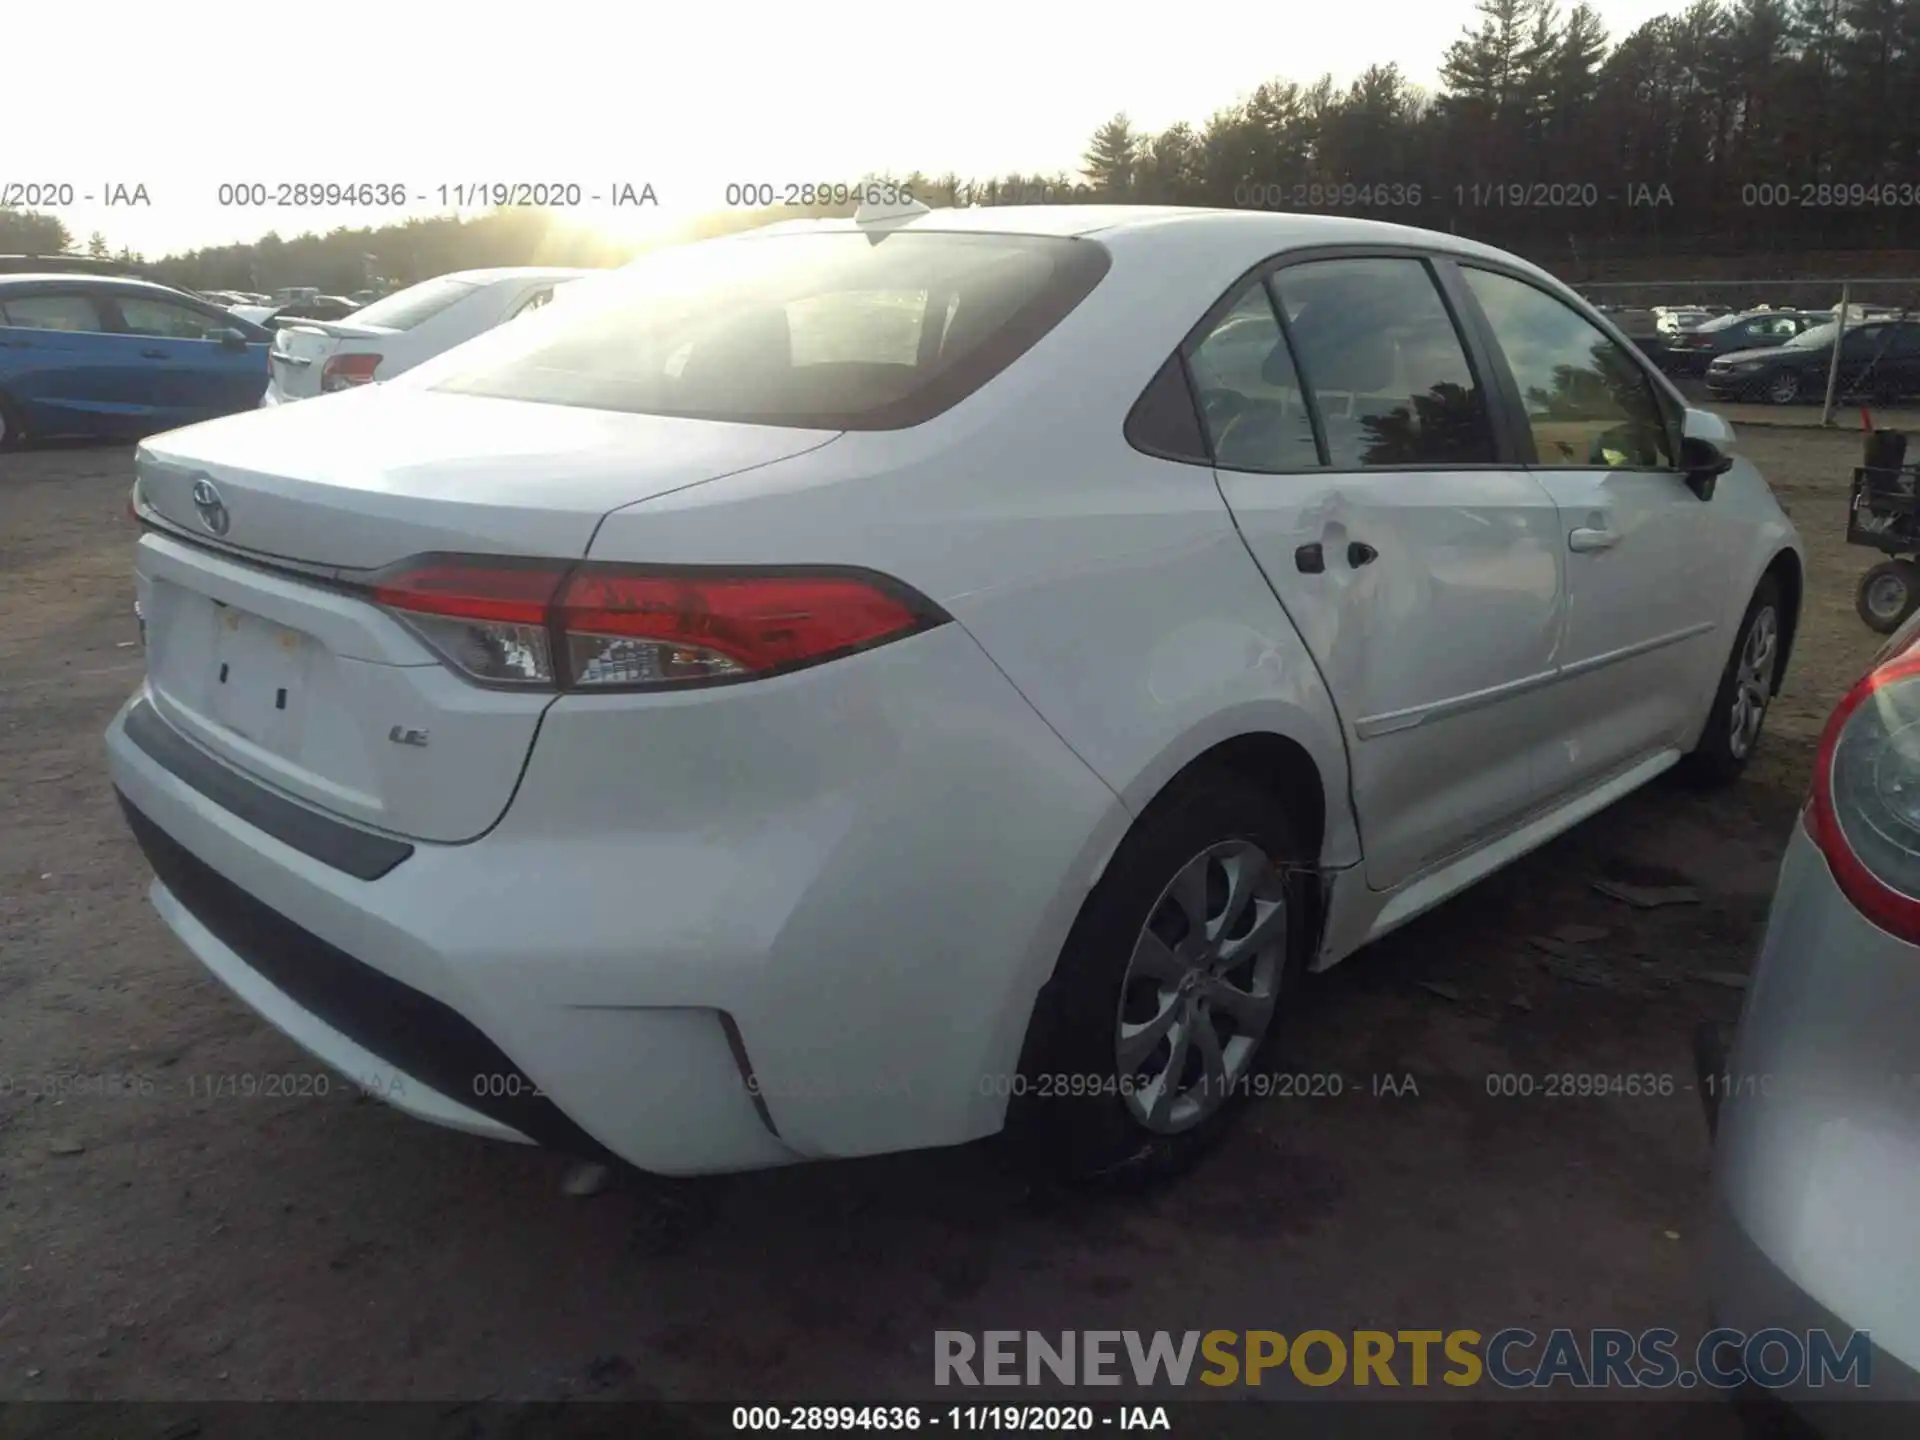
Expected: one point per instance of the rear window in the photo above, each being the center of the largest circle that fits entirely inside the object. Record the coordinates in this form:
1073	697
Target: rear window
407	308
829	330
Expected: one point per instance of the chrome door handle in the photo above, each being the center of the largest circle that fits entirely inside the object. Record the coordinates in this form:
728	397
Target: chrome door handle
1587	538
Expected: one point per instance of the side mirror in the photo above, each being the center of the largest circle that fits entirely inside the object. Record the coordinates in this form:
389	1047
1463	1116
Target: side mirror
1705	440
231	339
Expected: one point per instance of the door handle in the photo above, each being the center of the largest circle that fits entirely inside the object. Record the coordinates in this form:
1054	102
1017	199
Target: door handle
1587	538
153	354
1360	553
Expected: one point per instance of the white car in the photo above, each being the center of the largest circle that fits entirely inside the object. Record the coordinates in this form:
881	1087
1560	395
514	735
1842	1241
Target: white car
870	683
1817	1153
391	336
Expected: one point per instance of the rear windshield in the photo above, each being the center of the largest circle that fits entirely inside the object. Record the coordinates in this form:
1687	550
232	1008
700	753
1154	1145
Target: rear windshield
1816	337
833	330
406	308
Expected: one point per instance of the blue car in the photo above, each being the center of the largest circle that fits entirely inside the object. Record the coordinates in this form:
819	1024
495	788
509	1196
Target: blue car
114	359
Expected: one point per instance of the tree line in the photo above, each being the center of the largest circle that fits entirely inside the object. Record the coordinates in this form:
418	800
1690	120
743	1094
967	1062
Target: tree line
1729	126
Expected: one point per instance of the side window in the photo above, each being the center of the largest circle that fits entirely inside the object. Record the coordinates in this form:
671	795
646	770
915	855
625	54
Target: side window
1386	367
1906	341
1588	404
1863	344
1163	421
532	303
1250	398
1783	328
53	312
144	316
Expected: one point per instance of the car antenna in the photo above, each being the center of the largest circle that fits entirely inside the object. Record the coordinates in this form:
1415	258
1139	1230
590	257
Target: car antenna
878	220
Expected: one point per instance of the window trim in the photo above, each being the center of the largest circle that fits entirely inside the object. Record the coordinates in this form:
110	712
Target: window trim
1666	399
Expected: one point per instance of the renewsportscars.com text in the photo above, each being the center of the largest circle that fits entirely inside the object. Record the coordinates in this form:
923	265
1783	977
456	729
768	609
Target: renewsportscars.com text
1511	1359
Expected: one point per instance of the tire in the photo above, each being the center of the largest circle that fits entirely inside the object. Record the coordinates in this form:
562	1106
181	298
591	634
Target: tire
1782	389
1887	594
1131	966
12	432
1739	710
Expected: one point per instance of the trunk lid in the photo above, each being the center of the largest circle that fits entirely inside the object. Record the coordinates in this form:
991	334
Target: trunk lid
301	348
360	479
322	694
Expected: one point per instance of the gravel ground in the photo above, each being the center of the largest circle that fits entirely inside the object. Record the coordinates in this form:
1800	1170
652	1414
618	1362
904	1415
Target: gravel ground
169	1244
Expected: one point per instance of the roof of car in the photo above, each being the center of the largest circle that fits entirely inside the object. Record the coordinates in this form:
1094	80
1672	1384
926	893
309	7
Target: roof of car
516	272
79	277
1277	230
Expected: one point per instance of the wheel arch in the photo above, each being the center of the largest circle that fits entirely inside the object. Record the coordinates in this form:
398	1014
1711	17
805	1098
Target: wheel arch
1788	571
1286	767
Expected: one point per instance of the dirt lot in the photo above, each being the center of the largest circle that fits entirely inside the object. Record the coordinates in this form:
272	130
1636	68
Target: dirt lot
170	1245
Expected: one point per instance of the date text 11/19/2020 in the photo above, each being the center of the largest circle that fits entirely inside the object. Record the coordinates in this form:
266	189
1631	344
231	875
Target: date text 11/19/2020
1064	1419
1395	195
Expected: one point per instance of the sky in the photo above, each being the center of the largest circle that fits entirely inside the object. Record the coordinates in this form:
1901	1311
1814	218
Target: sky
689	97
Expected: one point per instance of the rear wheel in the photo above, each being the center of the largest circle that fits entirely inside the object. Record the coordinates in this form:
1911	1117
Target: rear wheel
1746	688
1888	594
1167	992
1782	389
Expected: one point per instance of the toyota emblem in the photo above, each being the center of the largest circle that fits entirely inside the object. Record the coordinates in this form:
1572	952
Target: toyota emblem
213	510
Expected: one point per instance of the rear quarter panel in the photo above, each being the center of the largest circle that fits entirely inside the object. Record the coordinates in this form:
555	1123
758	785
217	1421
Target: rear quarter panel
1110	586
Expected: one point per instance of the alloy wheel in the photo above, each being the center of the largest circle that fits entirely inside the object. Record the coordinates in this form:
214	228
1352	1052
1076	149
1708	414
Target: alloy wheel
1753	681
1202	986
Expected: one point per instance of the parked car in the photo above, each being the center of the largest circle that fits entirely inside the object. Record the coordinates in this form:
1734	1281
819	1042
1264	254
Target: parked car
391	336
1817	1165
1675	322
319	307
1879	359
901	719
66	264
95	356
1690	352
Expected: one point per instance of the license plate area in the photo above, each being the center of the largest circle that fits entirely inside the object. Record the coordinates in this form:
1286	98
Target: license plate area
257	686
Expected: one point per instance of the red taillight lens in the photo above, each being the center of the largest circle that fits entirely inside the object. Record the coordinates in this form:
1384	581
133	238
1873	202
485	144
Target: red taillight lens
342	372
1864	813
612	627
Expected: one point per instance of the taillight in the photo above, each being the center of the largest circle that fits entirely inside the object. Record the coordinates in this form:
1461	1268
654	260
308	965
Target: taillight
605	627
342	372
1864	813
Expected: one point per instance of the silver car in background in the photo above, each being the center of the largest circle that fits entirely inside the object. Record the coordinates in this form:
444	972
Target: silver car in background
1817	1105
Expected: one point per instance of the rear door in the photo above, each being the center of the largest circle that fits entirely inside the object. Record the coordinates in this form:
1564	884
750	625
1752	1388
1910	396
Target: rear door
196	375
1861	358
1645	575
1418	561
1901	363
66	369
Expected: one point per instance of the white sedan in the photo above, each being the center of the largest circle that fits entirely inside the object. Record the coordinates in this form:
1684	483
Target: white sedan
391	336
871	684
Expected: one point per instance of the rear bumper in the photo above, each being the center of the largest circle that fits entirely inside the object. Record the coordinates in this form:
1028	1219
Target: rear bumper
1817	1164
847	884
